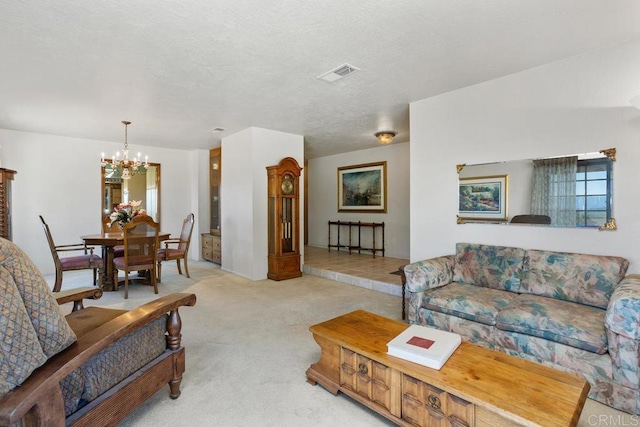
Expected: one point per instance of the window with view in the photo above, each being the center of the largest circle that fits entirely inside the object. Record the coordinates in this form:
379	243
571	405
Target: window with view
594	182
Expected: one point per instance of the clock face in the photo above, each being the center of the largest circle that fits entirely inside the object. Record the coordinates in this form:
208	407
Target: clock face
287	185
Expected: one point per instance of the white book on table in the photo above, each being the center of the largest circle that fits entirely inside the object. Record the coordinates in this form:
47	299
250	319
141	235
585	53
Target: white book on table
423	345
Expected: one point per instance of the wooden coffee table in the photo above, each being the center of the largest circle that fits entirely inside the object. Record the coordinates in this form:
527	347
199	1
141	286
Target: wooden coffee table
476	387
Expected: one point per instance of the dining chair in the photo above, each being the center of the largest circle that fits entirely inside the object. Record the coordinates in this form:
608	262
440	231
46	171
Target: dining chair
108	227
141	245
181	251
87	261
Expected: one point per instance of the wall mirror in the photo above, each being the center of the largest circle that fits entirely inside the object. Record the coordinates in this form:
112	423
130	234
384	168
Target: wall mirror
144	185
574	191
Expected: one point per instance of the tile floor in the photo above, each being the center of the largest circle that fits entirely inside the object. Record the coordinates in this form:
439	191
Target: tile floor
355	269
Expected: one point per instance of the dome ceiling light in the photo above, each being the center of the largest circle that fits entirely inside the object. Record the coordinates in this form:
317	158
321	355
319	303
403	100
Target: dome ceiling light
385	136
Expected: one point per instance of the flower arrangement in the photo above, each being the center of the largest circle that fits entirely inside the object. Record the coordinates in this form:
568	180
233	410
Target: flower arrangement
125	212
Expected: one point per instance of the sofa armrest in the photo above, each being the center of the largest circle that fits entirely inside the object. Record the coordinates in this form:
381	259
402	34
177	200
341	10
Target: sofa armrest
623	312
622	323
429	274
77	295
39	398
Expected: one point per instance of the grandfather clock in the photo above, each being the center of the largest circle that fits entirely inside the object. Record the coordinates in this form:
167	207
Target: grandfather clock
284	219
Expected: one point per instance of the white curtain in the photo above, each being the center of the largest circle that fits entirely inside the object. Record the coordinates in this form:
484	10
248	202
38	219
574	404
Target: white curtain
152	193
554	190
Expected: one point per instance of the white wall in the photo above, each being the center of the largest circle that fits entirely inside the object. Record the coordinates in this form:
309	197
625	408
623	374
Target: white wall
59	178
243	196
323	196
573	106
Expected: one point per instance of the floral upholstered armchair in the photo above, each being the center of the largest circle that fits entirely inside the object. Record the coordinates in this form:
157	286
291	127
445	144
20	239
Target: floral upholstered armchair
57	370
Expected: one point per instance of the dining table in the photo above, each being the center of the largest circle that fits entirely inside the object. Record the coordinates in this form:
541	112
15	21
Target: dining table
108	241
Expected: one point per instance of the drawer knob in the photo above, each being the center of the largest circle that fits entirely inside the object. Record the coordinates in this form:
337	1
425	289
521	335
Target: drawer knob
434	401
362	369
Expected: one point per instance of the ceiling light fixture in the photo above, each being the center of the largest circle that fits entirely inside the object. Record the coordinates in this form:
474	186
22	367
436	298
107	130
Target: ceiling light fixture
385	136
124	167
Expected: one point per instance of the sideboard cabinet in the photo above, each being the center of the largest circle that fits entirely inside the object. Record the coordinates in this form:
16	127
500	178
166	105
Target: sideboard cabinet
211	247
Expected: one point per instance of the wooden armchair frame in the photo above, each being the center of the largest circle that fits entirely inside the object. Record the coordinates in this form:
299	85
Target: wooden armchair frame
90	261
39	402
108	227
183	243
141	245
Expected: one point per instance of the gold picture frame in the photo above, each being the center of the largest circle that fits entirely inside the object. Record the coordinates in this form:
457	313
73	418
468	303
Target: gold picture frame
363	188
483	198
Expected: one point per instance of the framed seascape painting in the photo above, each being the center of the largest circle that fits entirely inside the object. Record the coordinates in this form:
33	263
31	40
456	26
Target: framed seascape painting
483	198
363	188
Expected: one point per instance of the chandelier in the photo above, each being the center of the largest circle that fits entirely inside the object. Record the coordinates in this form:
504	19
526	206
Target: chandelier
124	167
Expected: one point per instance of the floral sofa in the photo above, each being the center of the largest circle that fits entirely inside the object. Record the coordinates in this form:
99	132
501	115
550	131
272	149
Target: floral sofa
574	312
90	367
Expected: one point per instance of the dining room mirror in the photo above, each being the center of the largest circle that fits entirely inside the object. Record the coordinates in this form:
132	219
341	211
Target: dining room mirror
574	191
143	185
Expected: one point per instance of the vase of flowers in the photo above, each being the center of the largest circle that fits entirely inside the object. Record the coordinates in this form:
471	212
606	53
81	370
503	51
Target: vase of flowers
125	212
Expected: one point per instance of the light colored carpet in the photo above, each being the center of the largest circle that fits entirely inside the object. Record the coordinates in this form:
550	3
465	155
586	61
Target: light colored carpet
248	347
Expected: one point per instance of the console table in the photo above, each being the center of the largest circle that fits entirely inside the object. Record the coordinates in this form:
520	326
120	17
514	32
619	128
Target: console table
476	386
354	242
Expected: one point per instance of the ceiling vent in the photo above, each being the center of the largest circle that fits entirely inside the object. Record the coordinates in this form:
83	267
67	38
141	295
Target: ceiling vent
338	73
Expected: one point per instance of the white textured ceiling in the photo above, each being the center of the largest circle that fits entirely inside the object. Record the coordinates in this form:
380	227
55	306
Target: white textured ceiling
178	68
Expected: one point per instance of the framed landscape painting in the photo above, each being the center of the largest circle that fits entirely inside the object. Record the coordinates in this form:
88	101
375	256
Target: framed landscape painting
363	188
483	198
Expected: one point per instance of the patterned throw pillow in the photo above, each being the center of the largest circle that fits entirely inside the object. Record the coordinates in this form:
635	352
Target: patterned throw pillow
582	278
496	267
20	351
50	326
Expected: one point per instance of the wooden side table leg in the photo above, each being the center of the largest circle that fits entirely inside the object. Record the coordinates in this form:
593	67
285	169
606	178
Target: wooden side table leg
404	285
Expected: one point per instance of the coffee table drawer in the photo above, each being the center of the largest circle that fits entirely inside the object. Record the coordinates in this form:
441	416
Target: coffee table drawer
426	405
354	372
368	378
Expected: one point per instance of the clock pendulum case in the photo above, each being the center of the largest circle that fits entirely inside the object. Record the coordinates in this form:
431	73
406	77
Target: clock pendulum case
284	219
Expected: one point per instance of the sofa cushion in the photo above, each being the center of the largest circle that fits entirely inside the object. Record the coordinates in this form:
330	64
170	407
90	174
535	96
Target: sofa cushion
468	302
50	325
560	321
94	377
582	278
72	387
122	358
20	350
496	267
